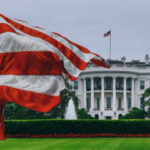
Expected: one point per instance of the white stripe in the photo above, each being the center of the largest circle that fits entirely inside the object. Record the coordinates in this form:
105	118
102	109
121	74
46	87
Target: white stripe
71	69
84	56
2	20
19	45
51	85
11	42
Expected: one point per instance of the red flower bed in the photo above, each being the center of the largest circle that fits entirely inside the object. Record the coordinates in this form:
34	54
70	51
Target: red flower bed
76	135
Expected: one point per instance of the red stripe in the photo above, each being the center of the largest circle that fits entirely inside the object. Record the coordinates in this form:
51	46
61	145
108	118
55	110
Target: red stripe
32	100
77	61
100	63
83	49
6	28
2	128
71	77
106	34
30	63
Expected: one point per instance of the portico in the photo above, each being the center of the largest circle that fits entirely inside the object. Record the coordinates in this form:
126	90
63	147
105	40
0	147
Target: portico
108	95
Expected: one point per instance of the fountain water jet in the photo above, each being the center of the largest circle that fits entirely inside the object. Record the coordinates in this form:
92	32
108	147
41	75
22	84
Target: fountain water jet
70	111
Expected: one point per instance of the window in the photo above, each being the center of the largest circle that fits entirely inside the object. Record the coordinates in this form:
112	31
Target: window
119	84
142	103
75	85
96	116
120	115
108	84
129	84
97	100
119	103
142	85
97	84
108	104
88	84
88	104
108	117
129	102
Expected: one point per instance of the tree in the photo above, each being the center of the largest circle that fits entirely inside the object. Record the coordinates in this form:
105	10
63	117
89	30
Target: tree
136	113
15	111
146	96
9	111
66	95
83	115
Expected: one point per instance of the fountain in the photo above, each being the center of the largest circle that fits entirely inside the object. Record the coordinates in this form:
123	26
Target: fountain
70	111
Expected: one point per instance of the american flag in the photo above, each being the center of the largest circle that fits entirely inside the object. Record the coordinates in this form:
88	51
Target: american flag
33	62
107	33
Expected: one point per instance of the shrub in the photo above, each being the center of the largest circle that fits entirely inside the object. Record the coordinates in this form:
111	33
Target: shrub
136	113
47	126
83	115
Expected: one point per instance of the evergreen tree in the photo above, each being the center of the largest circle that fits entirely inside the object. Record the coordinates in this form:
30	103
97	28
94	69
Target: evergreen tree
146	97
135	113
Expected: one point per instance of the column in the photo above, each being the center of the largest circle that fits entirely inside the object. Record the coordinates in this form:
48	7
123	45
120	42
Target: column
85	94
102	94
125	94
114	94
132	94
92	94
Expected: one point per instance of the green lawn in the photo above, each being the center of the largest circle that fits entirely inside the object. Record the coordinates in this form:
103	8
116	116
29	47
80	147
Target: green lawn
76	144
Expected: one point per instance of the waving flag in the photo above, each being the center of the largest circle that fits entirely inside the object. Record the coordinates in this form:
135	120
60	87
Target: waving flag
107	33
32	64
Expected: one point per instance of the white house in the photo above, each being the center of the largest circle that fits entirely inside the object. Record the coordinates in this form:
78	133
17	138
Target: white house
111	93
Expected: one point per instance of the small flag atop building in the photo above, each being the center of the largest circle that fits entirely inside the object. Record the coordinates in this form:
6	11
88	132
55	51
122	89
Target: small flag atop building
107	33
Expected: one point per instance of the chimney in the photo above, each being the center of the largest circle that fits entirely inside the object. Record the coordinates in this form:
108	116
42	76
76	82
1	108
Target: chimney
146	59
123	59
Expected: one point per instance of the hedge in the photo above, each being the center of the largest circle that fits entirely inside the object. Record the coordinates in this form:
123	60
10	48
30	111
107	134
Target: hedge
53	127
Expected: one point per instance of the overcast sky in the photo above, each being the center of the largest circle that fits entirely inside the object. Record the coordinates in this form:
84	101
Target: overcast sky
85	22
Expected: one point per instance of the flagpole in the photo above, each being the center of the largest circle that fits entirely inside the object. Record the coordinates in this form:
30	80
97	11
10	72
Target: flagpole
110	45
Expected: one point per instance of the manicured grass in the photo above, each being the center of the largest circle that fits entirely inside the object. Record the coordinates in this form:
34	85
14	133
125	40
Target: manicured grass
76	144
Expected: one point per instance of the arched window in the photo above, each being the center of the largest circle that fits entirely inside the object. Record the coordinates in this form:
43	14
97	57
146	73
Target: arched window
96	116
120	115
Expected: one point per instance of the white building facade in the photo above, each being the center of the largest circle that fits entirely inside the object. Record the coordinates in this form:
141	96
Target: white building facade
111	93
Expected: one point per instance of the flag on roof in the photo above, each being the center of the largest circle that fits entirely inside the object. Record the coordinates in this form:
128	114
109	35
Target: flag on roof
33	62
107	33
